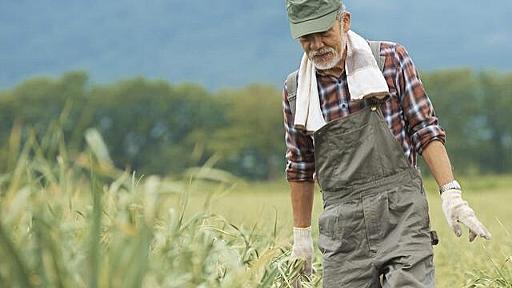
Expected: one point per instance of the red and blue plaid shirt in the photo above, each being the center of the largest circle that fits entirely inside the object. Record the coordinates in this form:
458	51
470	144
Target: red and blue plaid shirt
408	112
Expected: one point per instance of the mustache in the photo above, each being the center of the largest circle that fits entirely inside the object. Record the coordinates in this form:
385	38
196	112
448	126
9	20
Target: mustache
321	51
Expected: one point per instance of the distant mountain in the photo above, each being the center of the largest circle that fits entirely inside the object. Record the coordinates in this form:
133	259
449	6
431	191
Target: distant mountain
231	43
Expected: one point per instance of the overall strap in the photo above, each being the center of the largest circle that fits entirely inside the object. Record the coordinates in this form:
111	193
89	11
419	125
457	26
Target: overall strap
291	88
375	46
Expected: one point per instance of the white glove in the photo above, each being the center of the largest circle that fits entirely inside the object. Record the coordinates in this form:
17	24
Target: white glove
303	247
457	210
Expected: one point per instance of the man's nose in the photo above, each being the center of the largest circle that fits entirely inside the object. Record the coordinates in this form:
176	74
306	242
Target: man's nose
316	42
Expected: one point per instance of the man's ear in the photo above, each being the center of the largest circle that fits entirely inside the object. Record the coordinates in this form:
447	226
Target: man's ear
346	21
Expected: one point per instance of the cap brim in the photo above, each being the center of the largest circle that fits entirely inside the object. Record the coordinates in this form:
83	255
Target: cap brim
320	24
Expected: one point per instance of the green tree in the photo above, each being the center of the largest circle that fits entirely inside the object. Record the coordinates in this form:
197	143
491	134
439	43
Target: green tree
454	94
253	142
496	104
152	126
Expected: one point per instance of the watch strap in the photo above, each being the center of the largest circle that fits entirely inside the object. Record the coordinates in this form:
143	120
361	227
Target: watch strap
450	185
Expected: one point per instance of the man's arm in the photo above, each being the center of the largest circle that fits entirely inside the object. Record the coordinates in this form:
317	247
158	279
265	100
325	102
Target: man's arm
437	160
428	139
454	207
300	168
302	194
302	204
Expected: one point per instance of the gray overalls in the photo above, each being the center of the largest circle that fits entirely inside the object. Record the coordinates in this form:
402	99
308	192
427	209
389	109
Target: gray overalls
375	220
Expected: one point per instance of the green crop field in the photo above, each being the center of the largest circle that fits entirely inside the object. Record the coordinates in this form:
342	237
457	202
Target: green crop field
458	262
76	221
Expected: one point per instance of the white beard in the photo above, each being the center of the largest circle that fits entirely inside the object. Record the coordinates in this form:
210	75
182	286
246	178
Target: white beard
329	64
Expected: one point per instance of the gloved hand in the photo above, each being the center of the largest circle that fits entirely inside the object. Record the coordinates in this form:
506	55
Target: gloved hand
303	248
457	210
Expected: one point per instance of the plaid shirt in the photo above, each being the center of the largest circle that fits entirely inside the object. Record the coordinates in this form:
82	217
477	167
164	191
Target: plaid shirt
408	112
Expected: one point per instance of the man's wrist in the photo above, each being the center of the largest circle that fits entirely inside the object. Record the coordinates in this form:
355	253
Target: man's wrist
302	241
454	184
300	232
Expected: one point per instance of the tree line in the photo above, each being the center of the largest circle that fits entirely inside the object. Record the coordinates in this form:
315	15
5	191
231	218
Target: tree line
155	127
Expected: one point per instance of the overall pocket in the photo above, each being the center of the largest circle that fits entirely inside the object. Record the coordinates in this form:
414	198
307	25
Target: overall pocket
341	229
327	229
352	158
409	206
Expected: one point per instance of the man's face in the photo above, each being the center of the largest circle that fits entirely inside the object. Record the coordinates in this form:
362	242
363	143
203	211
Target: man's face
326	48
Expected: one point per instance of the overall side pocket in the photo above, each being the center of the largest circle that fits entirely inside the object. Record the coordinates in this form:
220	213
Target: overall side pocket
328	224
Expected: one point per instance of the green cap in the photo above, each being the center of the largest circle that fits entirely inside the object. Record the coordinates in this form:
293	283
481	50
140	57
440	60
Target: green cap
311	16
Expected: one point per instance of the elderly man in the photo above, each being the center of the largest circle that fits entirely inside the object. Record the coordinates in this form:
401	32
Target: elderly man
355	121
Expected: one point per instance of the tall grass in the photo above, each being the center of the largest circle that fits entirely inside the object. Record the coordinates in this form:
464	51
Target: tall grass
77	221
501	276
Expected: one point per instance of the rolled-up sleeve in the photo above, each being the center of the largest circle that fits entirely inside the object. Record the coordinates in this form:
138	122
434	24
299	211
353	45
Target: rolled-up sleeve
421	120
300	159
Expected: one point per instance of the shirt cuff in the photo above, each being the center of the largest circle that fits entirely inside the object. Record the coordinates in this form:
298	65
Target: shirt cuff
300	171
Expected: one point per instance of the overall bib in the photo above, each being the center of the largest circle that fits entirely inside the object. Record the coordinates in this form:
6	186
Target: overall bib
375	220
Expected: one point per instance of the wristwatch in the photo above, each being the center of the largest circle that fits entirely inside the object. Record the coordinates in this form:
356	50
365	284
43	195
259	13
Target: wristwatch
450	185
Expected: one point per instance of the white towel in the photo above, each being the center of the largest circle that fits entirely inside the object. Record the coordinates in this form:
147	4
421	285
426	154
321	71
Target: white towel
364	79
